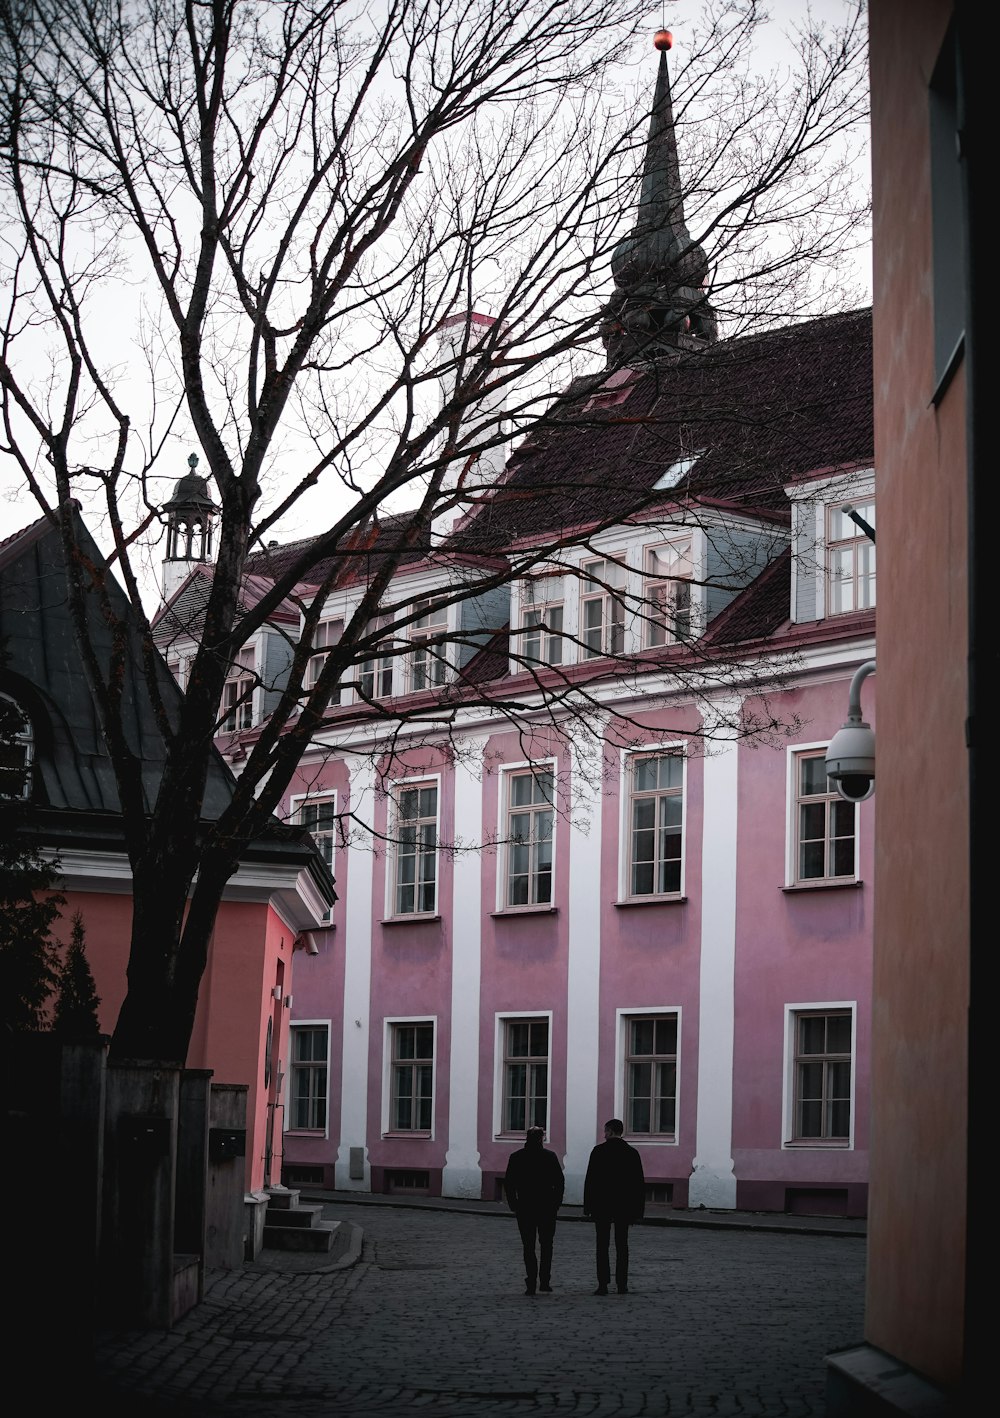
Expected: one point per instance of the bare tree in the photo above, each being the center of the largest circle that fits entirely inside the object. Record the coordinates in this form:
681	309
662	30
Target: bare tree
247	225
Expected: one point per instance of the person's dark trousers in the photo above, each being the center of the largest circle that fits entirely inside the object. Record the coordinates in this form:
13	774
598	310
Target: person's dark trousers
603	1225
541	1230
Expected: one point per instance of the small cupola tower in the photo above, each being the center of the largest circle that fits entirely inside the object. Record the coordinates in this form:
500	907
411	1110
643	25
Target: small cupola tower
190	524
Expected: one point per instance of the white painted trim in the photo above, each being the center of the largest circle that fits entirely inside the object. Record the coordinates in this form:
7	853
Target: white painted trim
389	1022
622	1017
357	987
679	748
583	967
792	1011
713	1178
506	769
462	1173
792	755
389	903
326	1024
499	1020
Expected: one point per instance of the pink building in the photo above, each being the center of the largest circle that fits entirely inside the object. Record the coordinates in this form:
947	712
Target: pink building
588	858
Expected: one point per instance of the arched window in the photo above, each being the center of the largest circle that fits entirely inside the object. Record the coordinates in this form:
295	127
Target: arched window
16	749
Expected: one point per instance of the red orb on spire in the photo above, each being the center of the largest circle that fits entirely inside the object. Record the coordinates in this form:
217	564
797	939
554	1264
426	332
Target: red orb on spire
663	39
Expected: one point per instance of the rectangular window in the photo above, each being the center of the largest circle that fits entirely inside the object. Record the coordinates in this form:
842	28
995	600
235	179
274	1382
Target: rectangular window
602	614
412	1075
651	1075
825	824
326	635
375	679
525	1074
237	694
542	620
415	836
427	661
318	815
308	1077
667	593
528	837
822	1101
850	559
656	824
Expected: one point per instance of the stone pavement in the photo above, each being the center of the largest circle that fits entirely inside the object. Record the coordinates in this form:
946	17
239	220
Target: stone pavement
423	1310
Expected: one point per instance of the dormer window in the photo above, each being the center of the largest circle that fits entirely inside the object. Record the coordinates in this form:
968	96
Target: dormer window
850	558
327	634
667	593
426	662
17	750
602	613
542	620
237	694
375	679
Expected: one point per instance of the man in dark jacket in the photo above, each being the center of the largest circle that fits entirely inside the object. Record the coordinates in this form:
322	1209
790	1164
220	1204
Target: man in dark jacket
534	1186
614	1194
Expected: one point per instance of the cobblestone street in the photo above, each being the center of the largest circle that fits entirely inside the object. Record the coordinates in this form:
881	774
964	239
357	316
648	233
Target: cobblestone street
431	1317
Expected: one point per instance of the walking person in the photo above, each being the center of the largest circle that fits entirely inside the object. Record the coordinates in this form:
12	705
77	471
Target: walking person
614	1195
534	1186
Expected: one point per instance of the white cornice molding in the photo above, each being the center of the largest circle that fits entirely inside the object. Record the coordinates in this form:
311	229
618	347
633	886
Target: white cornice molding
291	890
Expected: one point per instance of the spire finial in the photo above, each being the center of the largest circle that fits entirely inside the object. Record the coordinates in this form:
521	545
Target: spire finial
193	461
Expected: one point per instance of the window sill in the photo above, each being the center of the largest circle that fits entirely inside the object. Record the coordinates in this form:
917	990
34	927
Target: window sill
508	912
817	1144
663	900
821	884
646	1139
414	920
317	1134
412	1136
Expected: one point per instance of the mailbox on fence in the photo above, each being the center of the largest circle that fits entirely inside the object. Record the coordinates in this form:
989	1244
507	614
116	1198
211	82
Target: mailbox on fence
226	1143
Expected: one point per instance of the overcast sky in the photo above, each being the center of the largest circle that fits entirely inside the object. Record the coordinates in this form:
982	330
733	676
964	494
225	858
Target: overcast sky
18	508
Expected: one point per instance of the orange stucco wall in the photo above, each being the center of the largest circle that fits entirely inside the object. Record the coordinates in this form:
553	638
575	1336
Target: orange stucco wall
249	958
919	1032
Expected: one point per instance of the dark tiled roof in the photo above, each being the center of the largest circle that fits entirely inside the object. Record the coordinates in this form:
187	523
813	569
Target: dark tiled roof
759	411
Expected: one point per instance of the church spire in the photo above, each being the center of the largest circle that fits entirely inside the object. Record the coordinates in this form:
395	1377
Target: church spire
659	305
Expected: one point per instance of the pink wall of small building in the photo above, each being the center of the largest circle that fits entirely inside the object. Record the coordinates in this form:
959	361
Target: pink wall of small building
250	953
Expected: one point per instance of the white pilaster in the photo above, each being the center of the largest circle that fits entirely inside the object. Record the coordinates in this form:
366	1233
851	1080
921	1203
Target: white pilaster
584	968
462	1175
357	989
713	1180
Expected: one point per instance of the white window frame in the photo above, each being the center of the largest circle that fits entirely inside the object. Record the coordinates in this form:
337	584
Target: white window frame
793	1013
324	639
542	630
857	548
379	670
671	594
430	665
508	773
297	1026
391	1024
298	801
612	607
501	1020
834	805
236	707
396	788
24	741
672	749
623	1018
